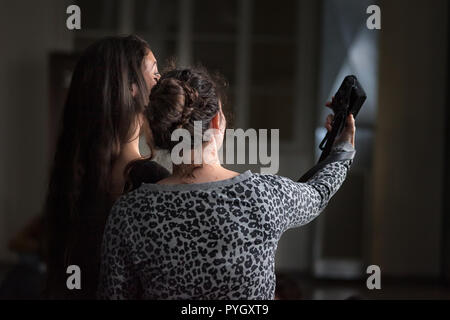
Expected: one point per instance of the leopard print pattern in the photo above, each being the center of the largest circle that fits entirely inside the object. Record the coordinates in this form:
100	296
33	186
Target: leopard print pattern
211	241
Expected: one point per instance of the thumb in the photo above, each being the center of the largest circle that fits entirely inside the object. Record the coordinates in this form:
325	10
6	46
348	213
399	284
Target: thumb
348	133
350	123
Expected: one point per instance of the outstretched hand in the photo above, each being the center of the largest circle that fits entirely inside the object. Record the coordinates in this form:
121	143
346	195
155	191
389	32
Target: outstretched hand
348	133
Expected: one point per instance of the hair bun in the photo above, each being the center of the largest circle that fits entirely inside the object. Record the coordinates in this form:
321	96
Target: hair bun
191	101
171	106
180	98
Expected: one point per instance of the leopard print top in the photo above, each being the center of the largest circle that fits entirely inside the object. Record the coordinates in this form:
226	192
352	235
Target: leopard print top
213	240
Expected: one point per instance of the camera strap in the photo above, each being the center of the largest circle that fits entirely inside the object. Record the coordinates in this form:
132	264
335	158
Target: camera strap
342	152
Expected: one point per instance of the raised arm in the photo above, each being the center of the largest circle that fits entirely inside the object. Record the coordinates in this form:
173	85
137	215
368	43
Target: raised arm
302	202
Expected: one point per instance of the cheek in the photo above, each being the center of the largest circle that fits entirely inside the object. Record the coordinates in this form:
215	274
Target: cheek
149	80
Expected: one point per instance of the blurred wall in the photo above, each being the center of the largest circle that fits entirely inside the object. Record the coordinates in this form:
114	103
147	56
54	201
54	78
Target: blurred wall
347	47
294	249
408	163
28	29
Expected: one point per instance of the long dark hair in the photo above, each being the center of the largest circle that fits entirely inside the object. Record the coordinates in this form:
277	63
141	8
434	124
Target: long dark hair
99	116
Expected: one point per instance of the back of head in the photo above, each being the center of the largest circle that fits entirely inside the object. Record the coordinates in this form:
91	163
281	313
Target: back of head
181	98
99	115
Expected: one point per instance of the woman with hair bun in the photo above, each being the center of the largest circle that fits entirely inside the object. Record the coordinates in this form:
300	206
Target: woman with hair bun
206	232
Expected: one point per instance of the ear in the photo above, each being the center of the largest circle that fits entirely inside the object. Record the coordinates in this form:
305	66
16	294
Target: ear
134	90
215	122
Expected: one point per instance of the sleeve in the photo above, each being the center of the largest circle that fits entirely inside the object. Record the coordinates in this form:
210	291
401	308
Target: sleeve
303	202
117	279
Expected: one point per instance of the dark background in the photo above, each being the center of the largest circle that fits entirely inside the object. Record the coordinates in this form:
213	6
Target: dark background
283	60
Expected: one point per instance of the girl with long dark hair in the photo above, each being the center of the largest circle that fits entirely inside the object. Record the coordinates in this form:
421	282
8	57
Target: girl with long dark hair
98	144
206	232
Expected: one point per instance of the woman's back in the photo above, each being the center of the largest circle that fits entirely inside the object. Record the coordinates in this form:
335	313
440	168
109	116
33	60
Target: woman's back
213	240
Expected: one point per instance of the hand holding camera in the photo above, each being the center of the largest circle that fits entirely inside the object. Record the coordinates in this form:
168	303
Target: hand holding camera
346	104
341	125
348	133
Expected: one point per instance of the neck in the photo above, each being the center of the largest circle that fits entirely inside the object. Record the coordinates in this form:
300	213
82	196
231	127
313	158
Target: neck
188	169
210	162
128	153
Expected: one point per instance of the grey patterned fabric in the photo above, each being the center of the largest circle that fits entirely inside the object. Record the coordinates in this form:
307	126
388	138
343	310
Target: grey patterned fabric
212	240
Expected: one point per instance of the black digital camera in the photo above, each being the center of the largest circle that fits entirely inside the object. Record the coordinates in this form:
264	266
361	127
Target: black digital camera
348	99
